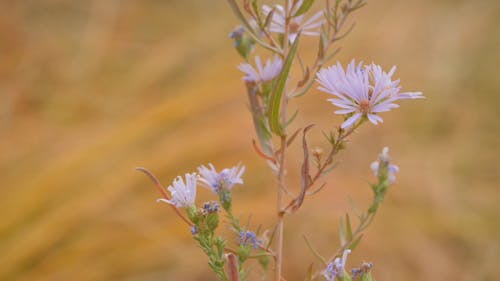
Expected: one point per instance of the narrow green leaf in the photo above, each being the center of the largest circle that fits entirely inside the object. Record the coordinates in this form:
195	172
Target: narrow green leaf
309	276
278	89
306	5
354	208
348	227
315	253
342	232
256	9
292	118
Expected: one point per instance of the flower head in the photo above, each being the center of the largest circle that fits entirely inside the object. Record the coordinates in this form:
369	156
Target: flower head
362	91
337	267
365	268
385	161
297	24
224	180
249	238
262	73
210	207
183	194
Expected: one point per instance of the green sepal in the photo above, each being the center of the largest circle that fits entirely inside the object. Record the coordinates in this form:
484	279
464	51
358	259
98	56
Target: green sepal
212	221
225	199
367	276
193	215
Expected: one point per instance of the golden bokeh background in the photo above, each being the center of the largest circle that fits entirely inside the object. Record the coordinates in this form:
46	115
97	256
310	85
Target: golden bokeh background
91	89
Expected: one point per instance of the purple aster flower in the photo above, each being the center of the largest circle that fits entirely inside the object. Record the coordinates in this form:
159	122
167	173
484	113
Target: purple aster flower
183	194
263	73
297	24
224	180
337	267
385	160
249	238
362	91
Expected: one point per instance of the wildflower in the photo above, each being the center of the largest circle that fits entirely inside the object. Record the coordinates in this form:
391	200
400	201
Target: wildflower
225	180
337	267
183	194
263	73
362	91
249	238
385	160
297	24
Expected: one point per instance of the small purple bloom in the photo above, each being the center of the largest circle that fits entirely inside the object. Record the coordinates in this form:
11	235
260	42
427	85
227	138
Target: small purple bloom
194	230
249	238
225	180
337	267
183	194
365	267
263	73
355	272
297	24
237	33
210	207
362	91
385	159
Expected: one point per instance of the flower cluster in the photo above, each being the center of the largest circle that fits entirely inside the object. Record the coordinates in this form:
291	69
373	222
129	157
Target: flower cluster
183	193
249	238
362	91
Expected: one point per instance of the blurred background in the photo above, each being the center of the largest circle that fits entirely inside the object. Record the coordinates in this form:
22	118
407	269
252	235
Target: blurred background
91	89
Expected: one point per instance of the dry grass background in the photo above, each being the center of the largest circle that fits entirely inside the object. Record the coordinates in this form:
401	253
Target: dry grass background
91	89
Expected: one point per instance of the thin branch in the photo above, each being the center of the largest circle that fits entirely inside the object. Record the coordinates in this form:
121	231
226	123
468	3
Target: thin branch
165	195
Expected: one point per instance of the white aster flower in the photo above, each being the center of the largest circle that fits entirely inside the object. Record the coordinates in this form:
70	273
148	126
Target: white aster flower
297	24
362	91
224	180
263	73
183	194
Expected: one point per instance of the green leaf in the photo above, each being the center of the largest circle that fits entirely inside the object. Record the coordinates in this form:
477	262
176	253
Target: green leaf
256	9
348	227
309	273
366	277
342	233
292	118
306	5
279	88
